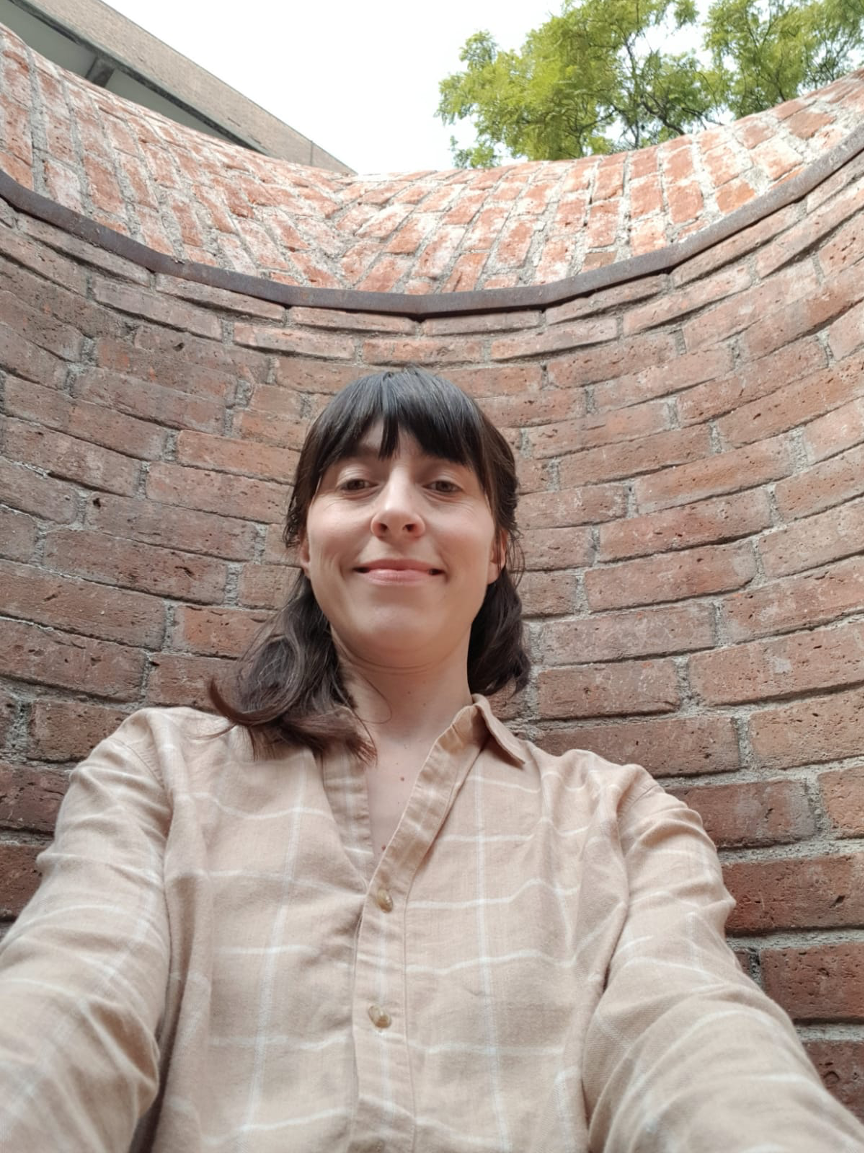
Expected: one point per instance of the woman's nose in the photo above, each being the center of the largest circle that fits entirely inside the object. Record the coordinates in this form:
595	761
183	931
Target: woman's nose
396	511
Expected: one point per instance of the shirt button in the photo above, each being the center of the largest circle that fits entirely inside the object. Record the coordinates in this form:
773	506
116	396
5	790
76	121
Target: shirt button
380	1018
384	900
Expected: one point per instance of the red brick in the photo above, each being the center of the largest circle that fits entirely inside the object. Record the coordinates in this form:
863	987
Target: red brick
68	730
722	164
232	456
773	298
498	381
266	586
639	633
840	1063
534	476
847	333
141	303
183	362
846	246
547	594
465	272
278	401
18	355
629	458
825	728
572	506
597	429
750	380
647	236
752	813
94	423
32	324
805	312
40	258
720	473
795	893
171	527
686	300
543	408
30	798
663	380
837	430
419	350
843	798
218	632
352	322
622	687
720	519
246	498
32	492
80	606
795	602
610	178
602	225
166	572
734	194
557	548
794	664
218	298
804	235
50	657
17	535
836	480
814	540
585	332
821	983
70	458
606	300
481	323
646	196
176	679
20	877
794	404
612	360
295	340
670	576
676	746
150	400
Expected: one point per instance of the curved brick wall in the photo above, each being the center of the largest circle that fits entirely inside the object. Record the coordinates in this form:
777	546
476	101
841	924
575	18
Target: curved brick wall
691	449
197	199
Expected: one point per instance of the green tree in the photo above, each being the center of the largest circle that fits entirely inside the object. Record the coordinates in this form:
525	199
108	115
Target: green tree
596	77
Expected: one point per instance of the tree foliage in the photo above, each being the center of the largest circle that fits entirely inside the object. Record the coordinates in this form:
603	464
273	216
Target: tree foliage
601	75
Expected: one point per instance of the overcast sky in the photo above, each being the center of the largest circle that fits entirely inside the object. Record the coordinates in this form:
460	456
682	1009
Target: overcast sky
360	77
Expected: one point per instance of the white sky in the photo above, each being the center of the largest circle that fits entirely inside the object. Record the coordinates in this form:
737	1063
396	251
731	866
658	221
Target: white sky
360	77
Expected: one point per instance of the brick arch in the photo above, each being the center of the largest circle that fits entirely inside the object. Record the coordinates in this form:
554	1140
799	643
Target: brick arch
691	451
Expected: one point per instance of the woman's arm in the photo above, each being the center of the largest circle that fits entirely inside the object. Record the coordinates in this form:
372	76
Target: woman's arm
684	1051
83	972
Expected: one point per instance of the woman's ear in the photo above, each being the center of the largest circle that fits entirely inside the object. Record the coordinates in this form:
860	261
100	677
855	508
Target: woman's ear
497	557
303	552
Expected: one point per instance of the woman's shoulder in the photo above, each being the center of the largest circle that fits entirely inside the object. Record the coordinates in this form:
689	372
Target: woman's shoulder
161	735
621	783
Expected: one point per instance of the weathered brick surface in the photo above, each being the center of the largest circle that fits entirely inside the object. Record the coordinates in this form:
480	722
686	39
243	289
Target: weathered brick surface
20	877
689	444
796	893
752	813
823	983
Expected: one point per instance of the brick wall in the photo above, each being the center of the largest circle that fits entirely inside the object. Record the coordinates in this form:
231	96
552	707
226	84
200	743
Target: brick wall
691	449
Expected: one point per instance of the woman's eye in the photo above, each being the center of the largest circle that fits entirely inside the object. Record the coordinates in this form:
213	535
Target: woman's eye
353	484
442	486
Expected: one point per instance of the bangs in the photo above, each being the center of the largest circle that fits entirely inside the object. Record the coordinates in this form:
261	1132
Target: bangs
441	419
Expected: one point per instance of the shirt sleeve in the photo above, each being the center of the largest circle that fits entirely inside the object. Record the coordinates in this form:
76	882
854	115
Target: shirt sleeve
83	972
684	1051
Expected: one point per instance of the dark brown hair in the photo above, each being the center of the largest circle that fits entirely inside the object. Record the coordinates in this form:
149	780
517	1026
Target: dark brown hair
288	689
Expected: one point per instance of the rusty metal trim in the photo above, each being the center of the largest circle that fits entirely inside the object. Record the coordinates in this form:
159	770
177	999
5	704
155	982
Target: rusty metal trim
426	305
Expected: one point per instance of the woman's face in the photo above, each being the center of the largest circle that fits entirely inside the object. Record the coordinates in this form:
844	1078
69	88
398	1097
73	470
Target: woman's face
399	553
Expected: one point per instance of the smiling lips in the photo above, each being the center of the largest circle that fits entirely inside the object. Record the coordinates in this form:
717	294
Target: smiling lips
397	571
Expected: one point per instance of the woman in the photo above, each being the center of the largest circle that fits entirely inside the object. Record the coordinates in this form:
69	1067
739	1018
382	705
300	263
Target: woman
366	916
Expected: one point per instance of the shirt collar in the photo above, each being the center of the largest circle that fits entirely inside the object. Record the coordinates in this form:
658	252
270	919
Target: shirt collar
508	741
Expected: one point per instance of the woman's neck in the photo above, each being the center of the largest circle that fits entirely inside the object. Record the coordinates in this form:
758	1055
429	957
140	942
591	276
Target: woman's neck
407	706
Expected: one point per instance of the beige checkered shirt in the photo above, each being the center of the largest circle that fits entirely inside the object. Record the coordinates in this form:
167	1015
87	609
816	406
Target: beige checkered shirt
536	963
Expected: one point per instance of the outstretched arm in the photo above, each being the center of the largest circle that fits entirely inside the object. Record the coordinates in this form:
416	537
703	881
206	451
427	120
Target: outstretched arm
684	1051
84	970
